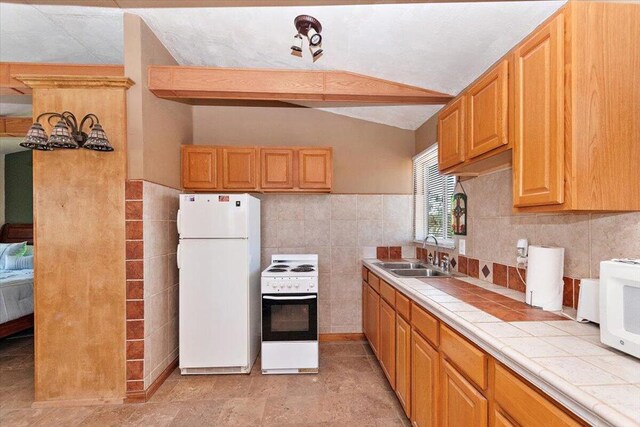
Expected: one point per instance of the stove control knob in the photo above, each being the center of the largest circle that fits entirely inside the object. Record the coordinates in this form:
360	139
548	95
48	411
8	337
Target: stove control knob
296	285
312	285
288	285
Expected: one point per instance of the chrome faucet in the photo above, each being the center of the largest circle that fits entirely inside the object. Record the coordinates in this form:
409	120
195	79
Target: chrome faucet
436	259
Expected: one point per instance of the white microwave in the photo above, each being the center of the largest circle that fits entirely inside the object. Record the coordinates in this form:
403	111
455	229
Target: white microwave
620	305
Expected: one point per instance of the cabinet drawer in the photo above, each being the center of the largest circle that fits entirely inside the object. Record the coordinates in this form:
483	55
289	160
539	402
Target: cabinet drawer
388	293
425	323
403	306
373	281
524	404
365	274
469	359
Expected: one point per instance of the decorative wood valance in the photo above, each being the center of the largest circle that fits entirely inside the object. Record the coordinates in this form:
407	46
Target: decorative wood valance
184	83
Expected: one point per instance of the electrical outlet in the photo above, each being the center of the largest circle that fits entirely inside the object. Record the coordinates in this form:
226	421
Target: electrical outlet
462	247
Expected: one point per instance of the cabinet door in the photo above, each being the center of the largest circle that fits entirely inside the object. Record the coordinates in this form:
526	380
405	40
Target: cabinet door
387	349
199	167
522	403
487	111
403	363
461	404
239	169
500	420
538	152
373	308
451	134
424	382
365	312
276	168
315	168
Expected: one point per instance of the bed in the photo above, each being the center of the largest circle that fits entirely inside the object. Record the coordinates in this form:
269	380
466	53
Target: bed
16	286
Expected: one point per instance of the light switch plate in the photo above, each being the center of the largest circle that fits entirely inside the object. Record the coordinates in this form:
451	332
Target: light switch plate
462	247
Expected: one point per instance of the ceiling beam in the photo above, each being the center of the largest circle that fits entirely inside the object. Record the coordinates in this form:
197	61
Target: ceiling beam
14	126
126	4
9	85
181	82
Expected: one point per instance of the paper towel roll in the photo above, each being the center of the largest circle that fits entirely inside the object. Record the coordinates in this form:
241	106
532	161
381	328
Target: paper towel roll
544	277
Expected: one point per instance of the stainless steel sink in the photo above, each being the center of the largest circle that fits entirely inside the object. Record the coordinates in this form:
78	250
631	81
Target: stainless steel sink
419	272
400	265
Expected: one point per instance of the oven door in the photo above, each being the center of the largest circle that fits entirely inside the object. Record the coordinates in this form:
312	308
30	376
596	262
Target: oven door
290	317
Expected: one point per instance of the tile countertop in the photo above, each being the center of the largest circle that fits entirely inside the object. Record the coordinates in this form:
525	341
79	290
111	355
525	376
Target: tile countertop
563	358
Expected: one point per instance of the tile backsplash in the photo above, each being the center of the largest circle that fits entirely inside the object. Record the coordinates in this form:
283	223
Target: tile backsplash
493	229
341	229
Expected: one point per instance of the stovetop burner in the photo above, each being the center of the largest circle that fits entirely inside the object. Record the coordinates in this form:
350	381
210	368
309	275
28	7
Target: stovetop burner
306	265
302	269
280	266
277	270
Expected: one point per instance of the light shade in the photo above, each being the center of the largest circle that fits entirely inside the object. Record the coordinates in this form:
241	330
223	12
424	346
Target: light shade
61	137
97	139
36	138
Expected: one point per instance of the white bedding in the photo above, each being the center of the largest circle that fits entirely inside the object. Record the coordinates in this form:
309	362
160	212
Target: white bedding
16	294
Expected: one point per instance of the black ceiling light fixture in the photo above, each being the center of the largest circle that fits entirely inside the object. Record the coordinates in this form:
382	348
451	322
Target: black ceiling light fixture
311	28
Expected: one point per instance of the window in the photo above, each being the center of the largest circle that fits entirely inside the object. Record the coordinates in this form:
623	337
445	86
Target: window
432	198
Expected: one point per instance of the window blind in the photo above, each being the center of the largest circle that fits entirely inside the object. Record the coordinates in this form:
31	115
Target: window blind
432	197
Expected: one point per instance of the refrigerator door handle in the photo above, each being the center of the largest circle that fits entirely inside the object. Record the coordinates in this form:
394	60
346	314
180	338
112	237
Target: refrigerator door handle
288	298
178	256
178	221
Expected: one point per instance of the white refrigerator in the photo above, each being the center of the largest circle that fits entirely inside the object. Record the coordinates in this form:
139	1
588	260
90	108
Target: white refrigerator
219	264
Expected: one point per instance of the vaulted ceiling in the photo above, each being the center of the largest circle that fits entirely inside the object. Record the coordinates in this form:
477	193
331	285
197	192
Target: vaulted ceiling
439	46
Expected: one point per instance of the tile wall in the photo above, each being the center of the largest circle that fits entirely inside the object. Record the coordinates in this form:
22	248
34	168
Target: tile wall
493	230
341	229
152	282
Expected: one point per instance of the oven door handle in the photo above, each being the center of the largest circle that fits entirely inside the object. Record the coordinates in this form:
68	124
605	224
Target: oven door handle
289	298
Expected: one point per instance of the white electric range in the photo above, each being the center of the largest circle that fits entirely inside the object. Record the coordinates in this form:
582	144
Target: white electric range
290	315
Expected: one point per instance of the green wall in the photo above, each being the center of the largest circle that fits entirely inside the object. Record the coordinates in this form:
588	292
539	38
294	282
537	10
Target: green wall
18	188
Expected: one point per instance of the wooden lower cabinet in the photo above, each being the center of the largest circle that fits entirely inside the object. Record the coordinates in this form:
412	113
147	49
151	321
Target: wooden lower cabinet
424	382
523	404
387	349
373	312
500	420
365	318
403	363
460	403
440	377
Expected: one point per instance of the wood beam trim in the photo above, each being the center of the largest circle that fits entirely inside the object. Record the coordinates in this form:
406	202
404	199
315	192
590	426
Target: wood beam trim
179	82
9	85
85	82
15	126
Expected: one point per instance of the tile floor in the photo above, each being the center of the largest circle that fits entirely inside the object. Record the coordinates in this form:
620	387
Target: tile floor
349	390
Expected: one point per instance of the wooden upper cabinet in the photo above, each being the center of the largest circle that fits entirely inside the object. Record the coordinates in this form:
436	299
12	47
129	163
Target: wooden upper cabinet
460	403
315	168
424	382
451	134
269	169
239	169
487	111
276	165
538	153
199	167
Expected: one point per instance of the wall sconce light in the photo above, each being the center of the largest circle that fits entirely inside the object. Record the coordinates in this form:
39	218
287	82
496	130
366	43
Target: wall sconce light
459	210
67	134
311	28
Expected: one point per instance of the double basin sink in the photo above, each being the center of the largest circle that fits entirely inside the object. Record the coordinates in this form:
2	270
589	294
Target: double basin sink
412	269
